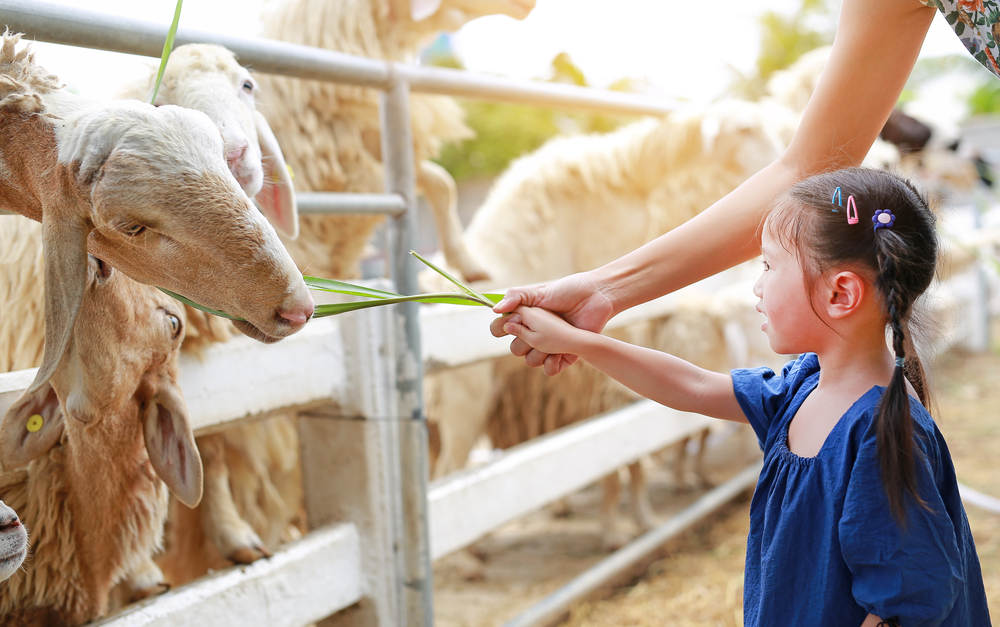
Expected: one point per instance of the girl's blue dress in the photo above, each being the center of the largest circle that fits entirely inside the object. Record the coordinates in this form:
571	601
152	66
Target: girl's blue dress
823	547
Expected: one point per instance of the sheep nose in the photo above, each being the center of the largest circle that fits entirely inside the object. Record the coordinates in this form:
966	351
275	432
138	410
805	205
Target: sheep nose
9	522
235	154
297	315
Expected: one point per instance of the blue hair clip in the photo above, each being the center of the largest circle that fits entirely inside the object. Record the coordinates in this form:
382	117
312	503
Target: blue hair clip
883	219
838	199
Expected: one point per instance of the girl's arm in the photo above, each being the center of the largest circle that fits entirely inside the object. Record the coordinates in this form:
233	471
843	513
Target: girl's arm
654	374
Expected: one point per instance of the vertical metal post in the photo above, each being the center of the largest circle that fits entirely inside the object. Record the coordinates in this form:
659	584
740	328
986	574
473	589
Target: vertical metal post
397	152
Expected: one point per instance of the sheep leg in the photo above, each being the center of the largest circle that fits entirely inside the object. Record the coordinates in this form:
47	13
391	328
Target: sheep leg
439	189
680	456
642	510
701	477
146	581
611	538
222	523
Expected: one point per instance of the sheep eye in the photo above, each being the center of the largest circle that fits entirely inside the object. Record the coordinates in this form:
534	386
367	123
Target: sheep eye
175	325
134	230
248	86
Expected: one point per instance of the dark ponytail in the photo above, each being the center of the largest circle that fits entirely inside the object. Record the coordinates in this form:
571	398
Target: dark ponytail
902	258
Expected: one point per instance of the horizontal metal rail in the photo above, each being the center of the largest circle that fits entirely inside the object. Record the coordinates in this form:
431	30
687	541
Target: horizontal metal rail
75	26
337	202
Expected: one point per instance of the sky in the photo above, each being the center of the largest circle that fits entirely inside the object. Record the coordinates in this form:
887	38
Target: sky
649	40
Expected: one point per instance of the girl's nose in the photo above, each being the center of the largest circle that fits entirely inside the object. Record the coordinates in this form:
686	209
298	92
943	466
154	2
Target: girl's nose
758	291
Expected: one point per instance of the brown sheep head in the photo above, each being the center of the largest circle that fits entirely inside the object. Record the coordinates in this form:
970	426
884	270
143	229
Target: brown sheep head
121	365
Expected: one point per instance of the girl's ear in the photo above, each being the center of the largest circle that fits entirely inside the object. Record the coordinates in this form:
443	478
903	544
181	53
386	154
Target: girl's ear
845	291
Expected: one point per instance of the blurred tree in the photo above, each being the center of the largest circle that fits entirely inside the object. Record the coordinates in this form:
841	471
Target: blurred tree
783	39
504	131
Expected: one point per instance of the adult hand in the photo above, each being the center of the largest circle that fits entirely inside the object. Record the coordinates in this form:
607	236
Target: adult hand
577	298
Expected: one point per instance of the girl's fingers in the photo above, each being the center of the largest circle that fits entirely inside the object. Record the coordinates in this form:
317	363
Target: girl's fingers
498	324
519	347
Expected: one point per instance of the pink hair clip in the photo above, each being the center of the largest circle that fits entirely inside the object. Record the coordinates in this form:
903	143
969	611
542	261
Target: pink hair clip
852	211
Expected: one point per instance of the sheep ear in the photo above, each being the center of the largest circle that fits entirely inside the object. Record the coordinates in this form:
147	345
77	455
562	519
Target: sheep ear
170	444
32	426
64	242
276	198
422	9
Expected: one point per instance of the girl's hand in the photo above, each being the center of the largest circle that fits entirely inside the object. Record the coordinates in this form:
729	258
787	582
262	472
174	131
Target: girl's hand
543	331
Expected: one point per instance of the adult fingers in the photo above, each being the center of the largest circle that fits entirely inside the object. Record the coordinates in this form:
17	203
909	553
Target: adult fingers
554	364
496	326
517	296
535	358
519	347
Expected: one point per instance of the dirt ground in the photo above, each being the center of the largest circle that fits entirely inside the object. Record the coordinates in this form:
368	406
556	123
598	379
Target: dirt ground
697	579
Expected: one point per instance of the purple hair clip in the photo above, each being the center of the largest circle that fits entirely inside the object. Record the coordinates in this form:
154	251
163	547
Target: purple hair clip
883	219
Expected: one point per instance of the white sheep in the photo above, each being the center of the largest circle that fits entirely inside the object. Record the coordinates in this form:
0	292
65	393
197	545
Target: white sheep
331	133
103	435
13	542
147	189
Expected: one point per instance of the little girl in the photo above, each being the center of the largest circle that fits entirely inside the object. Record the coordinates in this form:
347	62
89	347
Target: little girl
856	518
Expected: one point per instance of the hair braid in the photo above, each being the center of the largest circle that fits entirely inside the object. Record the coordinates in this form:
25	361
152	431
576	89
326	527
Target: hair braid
894	425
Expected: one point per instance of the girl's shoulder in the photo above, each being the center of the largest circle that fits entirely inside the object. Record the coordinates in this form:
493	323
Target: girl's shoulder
865	414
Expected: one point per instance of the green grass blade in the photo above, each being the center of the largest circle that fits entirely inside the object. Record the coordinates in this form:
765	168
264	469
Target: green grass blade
342	287
188	301
168	46
332	309
462	286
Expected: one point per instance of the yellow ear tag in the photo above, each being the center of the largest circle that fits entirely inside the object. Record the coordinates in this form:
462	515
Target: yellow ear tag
291	174
35	423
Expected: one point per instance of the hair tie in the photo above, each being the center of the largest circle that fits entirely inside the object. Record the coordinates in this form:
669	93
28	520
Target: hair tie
883	219
900	361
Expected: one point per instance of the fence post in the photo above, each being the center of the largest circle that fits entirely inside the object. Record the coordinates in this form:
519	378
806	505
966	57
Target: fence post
350	465
397	155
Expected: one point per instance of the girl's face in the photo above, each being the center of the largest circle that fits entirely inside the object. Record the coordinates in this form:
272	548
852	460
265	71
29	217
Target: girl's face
789	319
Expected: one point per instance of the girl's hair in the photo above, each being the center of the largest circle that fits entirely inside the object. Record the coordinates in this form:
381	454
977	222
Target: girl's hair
901	259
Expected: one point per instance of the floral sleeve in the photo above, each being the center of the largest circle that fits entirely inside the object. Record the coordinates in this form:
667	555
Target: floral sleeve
977	24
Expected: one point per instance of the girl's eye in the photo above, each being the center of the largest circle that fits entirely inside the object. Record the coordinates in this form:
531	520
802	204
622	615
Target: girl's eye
767	266
134	230
175	325
248	86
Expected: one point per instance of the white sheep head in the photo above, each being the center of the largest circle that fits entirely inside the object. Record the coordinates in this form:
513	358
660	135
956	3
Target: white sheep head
121	365
207	78
13	542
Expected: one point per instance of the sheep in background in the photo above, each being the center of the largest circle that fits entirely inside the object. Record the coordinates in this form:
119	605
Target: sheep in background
104	434
138	185
331	133
576	203
13	542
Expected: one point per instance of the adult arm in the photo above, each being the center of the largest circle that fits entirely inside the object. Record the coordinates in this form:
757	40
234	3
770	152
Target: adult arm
874	50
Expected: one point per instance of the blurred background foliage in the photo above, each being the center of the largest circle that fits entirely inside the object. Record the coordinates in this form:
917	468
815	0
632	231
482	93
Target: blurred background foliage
505	131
